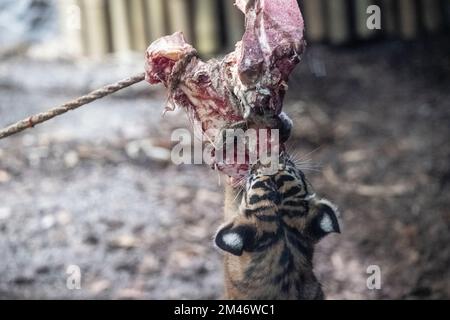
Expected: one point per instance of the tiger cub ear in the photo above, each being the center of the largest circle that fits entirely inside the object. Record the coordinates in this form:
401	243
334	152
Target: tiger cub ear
235	239
325	220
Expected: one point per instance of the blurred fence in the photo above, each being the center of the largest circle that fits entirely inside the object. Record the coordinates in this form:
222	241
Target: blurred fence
98	27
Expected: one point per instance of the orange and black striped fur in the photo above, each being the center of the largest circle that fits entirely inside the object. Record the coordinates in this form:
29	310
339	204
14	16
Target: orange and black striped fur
269	238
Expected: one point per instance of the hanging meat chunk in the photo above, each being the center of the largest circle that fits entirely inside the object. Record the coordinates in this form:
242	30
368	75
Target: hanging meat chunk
246	88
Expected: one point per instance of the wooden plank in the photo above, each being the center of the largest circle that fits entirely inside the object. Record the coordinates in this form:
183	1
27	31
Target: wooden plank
389	24
97	28
338	21
206	27
138	28
155	18
179	17
71	23
120	27
314	19
432	15
235	21
361	17
408	19
445	5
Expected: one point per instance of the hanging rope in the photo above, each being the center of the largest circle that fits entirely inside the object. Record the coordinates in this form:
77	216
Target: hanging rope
66	107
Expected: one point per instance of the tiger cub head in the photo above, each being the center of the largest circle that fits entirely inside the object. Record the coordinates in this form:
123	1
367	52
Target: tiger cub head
276	208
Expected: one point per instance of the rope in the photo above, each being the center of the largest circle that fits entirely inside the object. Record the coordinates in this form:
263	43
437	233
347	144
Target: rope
30	122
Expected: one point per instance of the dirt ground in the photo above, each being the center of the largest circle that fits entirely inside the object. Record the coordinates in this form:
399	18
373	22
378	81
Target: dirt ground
96	188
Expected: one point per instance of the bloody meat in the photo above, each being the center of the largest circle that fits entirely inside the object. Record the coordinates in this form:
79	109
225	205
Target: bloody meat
244	89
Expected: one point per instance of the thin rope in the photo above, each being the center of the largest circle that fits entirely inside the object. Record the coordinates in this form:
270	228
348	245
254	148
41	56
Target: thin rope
30	122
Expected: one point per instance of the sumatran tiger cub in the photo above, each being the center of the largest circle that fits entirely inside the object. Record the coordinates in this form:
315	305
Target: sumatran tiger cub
269	238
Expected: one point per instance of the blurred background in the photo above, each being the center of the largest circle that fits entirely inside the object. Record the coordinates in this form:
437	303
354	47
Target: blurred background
96	188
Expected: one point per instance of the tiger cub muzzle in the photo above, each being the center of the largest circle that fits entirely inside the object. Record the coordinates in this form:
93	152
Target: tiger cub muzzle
273	203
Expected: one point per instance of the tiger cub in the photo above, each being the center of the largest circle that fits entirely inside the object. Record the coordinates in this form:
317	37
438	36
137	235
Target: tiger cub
269	238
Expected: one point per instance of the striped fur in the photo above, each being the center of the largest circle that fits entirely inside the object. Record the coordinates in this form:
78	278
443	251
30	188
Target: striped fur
269	238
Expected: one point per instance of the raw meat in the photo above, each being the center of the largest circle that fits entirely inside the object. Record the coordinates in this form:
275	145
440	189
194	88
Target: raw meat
243	90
